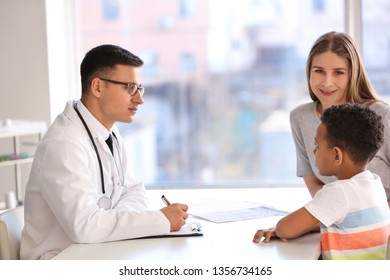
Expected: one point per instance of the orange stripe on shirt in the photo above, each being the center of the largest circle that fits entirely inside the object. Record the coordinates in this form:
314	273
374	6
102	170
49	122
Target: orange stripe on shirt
354	241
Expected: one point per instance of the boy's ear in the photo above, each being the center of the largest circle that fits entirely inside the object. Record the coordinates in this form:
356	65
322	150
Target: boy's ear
338	155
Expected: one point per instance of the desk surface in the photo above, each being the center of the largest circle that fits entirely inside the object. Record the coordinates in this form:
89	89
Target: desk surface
223	241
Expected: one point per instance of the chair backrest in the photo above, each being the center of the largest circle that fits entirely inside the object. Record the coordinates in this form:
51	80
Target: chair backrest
11	226
388	249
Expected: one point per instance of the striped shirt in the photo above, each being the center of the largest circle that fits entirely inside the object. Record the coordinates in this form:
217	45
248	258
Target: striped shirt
354	216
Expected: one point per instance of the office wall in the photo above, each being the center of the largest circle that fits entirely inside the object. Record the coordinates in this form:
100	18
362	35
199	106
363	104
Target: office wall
24	75
24	78
37	73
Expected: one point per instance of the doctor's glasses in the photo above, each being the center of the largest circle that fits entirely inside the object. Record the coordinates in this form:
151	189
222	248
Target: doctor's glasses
132	88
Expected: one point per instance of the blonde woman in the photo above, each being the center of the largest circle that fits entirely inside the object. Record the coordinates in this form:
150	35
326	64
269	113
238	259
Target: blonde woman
335	75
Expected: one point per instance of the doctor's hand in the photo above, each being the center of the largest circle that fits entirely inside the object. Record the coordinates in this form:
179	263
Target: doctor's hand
176	213
267	234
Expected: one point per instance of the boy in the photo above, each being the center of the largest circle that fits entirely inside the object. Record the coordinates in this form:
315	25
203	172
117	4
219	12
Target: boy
352	212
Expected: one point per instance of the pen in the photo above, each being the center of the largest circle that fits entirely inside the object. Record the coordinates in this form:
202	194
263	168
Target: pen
166	201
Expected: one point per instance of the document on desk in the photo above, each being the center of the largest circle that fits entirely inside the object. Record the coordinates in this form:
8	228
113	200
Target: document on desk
231	211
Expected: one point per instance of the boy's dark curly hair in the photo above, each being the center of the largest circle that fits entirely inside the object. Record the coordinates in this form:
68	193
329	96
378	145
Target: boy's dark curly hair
354	128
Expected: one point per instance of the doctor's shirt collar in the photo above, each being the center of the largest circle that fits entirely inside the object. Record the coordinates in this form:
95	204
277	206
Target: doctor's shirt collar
94	125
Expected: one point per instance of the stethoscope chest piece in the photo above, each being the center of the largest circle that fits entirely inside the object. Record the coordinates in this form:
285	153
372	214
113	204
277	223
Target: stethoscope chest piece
105	202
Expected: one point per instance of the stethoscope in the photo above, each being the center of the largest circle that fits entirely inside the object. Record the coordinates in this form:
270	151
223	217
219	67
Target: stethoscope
104	202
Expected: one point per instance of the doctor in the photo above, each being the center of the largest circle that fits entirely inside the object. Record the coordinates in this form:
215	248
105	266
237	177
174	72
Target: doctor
79	191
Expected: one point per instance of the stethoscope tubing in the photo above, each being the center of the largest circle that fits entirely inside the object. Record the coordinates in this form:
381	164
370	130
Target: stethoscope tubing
94	146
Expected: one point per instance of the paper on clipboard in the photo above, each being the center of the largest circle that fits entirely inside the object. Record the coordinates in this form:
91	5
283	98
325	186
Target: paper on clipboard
231	211
189	229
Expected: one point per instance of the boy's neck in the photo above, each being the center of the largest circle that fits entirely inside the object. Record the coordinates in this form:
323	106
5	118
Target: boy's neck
347	171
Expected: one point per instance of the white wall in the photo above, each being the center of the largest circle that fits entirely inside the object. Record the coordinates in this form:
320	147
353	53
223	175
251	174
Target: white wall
24	79
24	75
34	62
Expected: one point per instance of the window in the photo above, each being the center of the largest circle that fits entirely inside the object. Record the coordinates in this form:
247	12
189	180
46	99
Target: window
150	67
376	44
110	9
319	5
187	8
219	84
187	63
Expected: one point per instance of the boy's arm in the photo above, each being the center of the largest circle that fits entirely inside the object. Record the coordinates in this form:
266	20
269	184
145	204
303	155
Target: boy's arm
291	226
296	224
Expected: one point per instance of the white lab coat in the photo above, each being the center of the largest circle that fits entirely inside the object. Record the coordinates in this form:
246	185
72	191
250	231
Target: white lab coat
64	186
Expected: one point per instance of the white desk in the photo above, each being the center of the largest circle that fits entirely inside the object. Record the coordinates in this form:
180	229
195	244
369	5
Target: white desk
224	241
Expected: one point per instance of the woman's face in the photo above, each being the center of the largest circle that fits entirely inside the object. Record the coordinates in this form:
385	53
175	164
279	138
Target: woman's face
329	77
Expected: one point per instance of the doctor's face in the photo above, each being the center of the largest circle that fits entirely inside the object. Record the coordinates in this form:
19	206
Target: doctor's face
120	95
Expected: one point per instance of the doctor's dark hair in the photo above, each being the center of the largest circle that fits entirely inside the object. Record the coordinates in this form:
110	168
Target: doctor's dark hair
354	128
101	60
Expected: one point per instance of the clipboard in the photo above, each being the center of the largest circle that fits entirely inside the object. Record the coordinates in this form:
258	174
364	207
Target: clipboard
189	229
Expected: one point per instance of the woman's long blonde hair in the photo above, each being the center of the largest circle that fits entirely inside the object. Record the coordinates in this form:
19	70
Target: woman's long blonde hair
359	89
